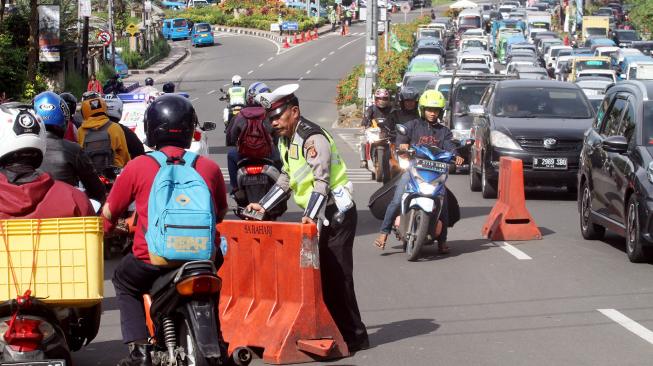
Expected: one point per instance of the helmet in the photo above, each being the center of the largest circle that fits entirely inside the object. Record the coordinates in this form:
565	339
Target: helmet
381	93
408	94
149	81
170	120
114	109
254	90
93	107
22	135
169	87
235	80
71	101
90	95
431	99
52	110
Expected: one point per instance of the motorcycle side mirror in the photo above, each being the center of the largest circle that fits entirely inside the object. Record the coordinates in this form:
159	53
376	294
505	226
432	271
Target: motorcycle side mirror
476	110
208	126
401	129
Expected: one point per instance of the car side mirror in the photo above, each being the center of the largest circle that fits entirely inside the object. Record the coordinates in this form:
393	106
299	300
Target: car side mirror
208	126
401	129
616	144
476	110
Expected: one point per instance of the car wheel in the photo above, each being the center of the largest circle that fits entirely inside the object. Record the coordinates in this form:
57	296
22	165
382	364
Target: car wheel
634	249
588	229
474	179
488	189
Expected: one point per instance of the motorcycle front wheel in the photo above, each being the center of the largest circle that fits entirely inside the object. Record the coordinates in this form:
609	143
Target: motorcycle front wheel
194	356
417	231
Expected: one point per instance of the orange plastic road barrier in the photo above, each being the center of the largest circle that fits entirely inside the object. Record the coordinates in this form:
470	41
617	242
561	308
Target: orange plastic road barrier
317	35
304	38
296	40
285	43
272	293
509	218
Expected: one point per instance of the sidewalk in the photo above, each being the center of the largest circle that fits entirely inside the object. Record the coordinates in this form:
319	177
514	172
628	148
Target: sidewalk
178	52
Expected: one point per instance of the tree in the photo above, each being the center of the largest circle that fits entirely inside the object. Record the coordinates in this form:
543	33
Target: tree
33	42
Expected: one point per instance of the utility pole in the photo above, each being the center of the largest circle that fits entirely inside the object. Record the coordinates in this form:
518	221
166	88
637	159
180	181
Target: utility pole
371	42
85	48
113	37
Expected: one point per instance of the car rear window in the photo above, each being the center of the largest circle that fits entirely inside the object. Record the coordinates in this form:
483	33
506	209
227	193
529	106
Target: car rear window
592	65
467	95
522	102
179	23
203	28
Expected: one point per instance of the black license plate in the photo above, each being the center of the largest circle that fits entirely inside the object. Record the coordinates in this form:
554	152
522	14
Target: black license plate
255	179
550	163
434	166
36	363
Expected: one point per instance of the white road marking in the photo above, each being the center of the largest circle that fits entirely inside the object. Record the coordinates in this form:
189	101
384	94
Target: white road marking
271	58
356	175
249	72
331	53
260	65
316	64
194	99
353	140
308	71
323	58
514	251
348	43
211	92
300	79
227	84
629	324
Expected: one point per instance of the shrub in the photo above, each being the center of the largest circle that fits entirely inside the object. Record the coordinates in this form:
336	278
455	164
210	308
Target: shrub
75	84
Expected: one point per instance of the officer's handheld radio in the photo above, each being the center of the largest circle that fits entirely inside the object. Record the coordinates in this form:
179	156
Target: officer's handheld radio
253	215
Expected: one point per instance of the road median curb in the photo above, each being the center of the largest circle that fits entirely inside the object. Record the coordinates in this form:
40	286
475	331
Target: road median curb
172	61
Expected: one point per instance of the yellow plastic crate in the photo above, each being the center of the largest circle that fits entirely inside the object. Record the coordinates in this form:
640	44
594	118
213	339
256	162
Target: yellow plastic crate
69	263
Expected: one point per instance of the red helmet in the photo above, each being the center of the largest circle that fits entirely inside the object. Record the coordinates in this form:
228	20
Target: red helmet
381	93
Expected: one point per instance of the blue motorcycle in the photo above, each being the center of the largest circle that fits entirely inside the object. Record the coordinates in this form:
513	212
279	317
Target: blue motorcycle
423	198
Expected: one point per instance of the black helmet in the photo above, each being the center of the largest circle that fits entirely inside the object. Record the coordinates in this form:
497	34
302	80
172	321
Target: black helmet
70	101
408	93
170	120
169	87
149	81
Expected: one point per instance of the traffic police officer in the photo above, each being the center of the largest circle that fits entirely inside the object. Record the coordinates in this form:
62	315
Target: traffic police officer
317	177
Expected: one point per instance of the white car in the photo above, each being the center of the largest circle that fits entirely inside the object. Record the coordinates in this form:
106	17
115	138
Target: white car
605	50
610	75
476	58
551	54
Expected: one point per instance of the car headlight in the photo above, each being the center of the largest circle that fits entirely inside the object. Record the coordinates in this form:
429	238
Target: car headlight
404	163
503	141
426	188
649	172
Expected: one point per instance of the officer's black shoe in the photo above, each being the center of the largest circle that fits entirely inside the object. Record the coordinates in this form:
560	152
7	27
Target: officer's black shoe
359	345
139	355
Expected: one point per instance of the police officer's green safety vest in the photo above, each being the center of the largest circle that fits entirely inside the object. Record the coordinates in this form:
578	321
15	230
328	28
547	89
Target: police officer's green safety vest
301	174
237	95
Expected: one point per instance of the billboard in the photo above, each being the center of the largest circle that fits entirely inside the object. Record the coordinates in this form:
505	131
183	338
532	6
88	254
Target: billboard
49	41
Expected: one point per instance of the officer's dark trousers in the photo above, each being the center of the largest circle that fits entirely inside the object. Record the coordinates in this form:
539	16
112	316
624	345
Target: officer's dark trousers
336	261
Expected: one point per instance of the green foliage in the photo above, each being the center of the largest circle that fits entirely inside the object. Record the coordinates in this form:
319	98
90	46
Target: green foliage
13	55
136	60
32	89
75	84
641	15
105	72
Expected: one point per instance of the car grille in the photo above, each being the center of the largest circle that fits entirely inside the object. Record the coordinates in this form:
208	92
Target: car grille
561	145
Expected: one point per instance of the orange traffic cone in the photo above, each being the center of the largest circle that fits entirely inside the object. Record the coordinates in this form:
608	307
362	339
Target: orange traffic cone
296	40
303	39
285	43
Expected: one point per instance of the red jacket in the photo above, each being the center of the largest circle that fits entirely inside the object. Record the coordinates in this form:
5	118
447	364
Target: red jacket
94	86
42	198
134	185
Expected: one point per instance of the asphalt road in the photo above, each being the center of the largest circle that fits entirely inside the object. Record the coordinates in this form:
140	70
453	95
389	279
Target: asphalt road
557	301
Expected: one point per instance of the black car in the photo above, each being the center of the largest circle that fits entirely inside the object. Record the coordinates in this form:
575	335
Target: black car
624	38
616	169
540	122
644	46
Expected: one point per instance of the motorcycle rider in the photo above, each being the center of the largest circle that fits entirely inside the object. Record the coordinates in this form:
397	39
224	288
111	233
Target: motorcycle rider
65	161
75	118
238	124
94	112
114	112
169	87
169	125
407	110
380	109
149	81
426	130
114	85
236	93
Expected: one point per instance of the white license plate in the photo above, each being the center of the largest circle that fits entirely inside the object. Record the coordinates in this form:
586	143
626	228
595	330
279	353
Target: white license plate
434	166
203	35
550	163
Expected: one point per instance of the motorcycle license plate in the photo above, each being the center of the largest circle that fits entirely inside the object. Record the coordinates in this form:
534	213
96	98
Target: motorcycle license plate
255	179
550	163
36	363
434	166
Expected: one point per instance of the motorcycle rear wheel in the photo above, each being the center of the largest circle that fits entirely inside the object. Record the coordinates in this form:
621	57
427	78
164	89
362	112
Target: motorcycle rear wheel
194	356
418	231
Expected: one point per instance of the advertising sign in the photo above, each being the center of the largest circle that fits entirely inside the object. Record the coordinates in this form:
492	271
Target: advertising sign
84	8
49	41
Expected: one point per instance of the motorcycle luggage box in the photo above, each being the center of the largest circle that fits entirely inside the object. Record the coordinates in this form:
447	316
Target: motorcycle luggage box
380	199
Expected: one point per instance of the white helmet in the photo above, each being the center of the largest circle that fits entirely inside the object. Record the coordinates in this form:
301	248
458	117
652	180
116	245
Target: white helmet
235	80
114	109
21	131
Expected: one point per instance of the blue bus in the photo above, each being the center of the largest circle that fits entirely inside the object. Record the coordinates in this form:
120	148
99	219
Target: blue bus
175	29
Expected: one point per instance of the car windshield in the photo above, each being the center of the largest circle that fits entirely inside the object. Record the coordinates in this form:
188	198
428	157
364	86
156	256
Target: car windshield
538	102
595	31
470	20
475	43
595	103
467	95
596	75
592	65
179	23
560	52
203	28
648	123
627	36
417	83
444	89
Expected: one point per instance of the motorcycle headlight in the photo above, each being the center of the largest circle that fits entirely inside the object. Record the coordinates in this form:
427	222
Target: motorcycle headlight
503	141
404	163
426	188
373	134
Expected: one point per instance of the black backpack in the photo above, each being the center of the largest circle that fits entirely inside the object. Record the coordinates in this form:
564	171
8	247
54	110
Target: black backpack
97	145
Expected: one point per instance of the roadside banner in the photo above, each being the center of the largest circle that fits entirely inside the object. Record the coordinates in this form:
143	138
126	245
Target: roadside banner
84	8
49	41
395	44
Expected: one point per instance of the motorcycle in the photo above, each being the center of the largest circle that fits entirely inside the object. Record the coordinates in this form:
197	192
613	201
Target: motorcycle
232	109
181	311
255	178
378	151
423	198
40	334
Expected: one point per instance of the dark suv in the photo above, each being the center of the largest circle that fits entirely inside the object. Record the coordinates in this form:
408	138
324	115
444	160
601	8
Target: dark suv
616	173
540	122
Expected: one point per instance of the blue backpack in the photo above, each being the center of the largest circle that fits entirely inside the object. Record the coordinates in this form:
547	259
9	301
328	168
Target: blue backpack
181	218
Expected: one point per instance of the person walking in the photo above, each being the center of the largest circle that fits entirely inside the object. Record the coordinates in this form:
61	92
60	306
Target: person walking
94	85
317	176
332	18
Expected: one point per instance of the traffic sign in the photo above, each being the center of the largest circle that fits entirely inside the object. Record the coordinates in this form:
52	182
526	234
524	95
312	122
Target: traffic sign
105	38
290	26
132	29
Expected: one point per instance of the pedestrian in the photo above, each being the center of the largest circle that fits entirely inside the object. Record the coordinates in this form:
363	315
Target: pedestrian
332	18
551	71
94	85
317	177
280	22
432	14
348	15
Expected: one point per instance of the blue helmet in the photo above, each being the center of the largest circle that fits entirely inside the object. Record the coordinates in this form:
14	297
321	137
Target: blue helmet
254	90
52	109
